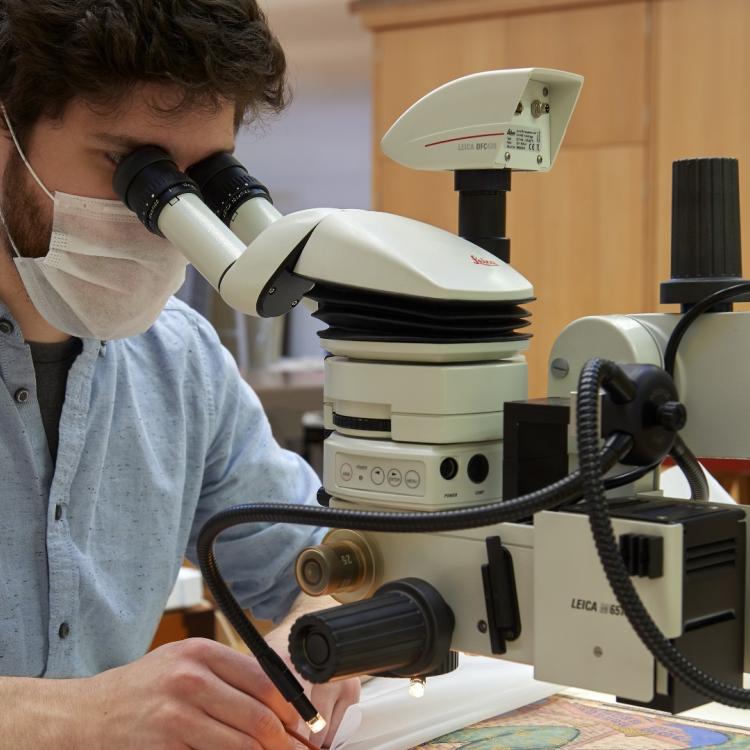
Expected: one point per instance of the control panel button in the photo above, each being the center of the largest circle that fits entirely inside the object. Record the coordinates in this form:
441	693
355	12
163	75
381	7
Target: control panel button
377	475
479	468
346	472
449	468
413	480
395	478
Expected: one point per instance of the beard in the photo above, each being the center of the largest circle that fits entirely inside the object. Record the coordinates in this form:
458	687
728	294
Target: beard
26	211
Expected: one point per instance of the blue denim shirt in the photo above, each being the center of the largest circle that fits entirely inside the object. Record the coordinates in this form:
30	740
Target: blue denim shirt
158	433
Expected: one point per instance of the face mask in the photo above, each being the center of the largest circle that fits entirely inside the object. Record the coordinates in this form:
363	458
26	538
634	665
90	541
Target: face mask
105	276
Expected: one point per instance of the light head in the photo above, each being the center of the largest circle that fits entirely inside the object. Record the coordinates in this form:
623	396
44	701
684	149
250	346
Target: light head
498	119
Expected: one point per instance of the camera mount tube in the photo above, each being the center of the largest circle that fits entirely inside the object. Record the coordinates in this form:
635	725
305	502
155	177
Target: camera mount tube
168	203
237	198
404	630
482	209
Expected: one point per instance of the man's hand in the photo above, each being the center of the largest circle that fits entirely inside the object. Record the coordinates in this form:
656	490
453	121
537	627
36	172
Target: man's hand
193	695
331	699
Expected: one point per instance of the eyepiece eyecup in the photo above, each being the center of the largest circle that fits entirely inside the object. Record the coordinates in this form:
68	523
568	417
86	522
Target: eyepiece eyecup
147	181
226	185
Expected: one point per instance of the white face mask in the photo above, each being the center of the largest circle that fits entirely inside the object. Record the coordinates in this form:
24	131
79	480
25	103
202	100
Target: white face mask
105	276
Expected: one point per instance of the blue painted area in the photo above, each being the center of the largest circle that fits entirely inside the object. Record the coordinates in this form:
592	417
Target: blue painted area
702	737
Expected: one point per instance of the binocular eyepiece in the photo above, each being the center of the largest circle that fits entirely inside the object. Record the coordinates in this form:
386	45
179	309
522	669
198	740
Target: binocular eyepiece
211	213
148	180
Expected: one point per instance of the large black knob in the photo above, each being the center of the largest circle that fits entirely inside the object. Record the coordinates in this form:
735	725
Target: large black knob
706	246
404	630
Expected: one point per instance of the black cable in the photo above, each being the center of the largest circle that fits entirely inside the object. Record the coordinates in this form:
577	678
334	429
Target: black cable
611	483
559	493
681	454
594	374
271	663
724	295
691	468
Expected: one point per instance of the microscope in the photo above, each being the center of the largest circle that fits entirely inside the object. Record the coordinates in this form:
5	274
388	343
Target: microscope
465	517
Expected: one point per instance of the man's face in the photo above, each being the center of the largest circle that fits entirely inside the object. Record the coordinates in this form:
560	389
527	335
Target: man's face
78	154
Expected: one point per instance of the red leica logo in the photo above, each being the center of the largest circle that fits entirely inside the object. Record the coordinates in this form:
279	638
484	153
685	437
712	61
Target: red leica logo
483	262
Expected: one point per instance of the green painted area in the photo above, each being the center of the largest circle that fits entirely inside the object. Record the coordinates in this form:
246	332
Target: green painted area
510	738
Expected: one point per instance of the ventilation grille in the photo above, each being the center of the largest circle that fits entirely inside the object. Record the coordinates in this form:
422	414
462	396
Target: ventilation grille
713	555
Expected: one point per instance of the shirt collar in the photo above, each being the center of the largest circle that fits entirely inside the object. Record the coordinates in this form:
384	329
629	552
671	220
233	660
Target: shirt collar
17	337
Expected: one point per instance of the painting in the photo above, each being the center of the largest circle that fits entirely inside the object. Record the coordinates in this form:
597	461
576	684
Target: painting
574	724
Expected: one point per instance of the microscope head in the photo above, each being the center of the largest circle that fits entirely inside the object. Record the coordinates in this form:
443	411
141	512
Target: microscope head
514	119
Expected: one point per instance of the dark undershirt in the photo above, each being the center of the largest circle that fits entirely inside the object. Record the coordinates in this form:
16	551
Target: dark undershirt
52	363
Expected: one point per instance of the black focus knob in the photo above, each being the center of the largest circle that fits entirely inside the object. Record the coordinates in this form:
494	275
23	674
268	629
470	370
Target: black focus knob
404	630
672	415
706	246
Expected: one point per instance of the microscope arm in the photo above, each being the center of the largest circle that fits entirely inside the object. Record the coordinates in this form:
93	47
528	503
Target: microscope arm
367	251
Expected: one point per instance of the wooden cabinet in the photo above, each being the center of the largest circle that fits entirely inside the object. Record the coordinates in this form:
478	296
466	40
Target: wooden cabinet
663	81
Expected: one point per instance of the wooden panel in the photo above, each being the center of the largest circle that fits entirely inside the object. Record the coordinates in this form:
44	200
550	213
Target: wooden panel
179	624
577	234
412	62
408	65
380	14
607	46
702	59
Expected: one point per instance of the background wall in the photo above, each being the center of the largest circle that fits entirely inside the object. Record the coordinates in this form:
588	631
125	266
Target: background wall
664	81
318	153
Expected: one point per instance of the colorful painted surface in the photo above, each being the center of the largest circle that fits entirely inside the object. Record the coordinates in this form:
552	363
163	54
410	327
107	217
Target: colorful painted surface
573	724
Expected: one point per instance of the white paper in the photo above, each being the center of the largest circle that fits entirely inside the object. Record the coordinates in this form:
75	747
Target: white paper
388	718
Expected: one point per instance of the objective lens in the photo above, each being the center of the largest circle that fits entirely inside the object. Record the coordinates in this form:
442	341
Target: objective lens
344	562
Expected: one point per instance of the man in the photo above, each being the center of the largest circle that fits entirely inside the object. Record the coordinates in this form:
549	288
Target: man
125	426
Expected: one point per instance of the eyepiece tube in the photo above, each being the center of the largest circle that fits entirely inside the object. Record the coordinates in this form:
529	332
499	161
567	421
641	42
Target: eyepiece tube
237	198
169	204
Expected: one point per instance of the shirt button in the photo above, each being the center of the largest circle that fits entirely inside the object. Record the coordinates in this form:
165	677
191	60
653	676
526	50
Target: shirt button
58	512
64	631
6	326
22	396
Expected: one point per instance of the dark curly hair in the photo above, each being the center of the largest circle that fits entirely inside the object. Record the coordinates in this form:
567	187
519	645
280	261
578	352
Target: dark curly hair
53	51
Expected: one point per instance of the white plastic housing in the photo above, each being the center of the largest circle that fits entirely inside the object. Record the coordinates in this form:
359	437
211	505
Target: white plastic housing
375	252
711	372
253	218
405	476
425	403
207	243
245	282
581	636
388	253
476	122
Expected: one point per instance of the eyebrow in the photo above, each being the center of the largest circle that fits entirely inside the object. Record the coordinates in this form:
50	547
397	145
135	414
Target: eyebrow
131	144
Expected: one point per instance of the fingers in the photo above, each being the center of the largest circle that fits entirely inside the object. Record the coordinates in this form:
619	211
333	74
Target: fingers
325	703
244	714
204	677
243	673
332	701
204	733
336	718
